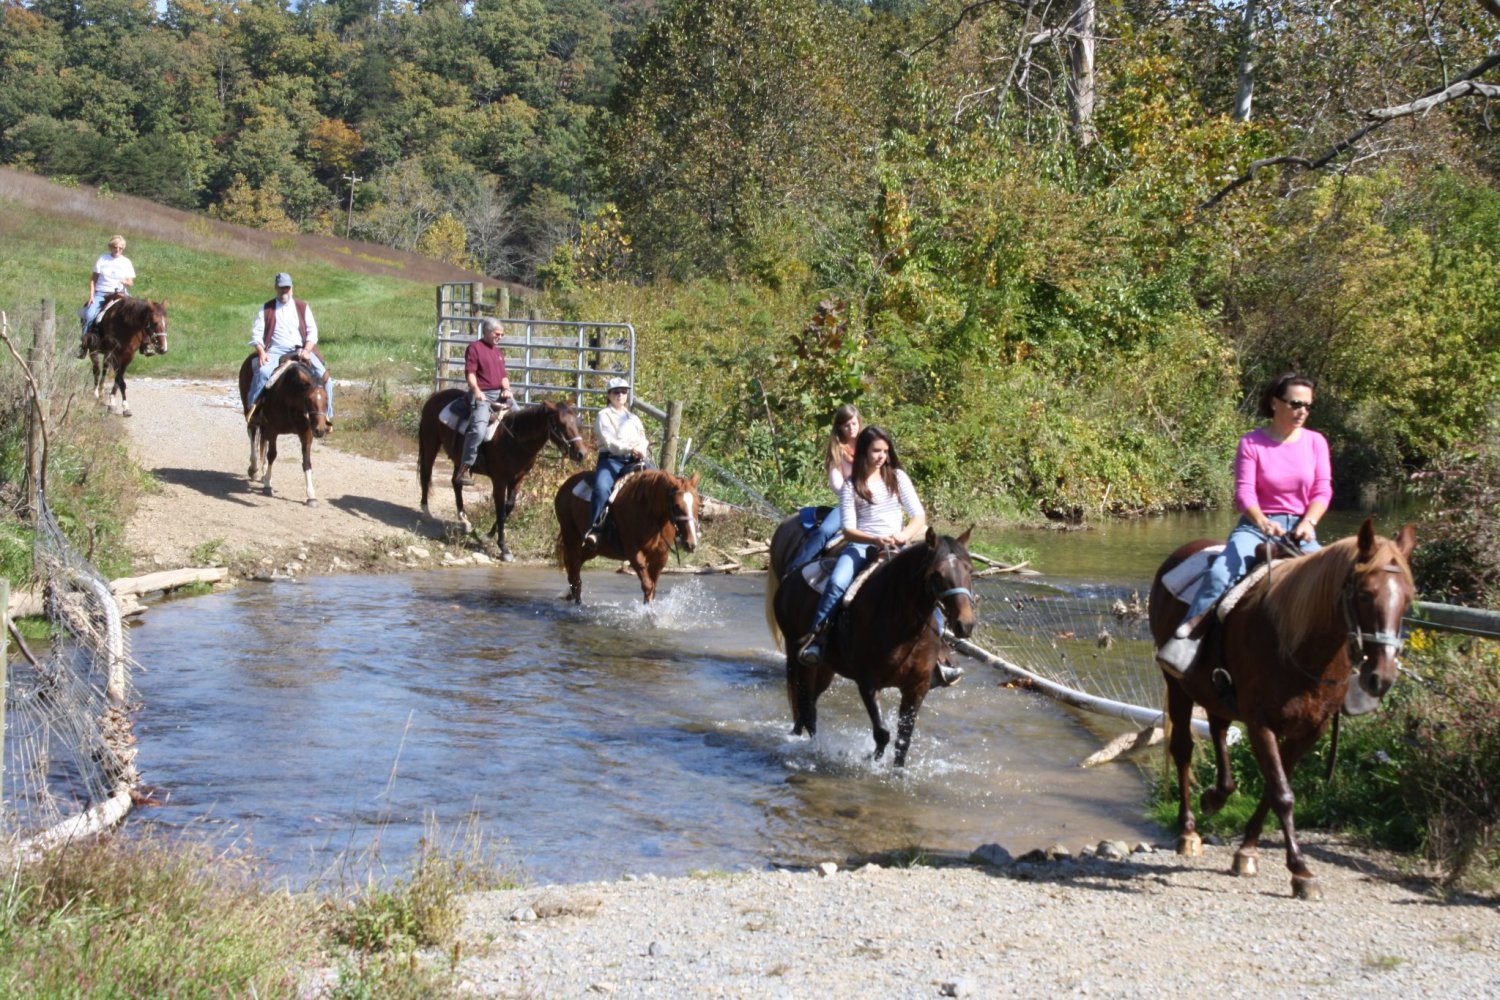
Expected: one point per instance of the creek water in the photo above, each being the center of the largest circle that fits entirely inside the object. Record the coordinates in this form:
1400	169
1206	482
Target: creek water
333	720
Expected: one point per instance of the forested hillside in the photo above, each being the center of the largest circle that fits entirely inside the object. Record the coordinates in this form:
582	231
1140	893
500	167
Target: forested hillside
1027	236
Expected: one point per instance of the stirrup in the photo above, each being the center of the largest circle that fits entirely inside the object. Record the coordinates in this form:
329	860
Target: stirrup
1223	686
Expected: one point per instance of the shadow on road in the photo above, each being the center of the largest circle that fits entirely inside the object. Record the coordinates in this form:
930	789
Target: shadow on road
391	515
210	482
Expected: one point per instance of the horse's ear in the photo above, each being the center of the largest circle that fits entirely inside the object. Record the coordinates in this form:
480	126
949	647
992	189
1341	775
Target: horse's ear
326	374
163	305
694	481
1367	538
931	538
1407	540
964	538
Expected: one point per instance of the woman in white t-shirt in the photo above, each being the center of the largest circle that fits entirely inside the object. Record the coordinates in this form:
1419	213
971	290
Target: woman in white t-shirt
871	505
113	272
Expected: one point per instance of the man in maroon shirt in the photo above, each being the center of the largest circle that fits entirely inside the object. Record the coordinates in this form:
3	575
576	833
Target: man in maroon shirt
484	370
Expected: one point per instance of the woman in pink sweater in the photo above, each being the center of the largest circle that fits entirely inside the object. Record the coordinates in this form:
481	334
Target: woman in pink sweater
1282	485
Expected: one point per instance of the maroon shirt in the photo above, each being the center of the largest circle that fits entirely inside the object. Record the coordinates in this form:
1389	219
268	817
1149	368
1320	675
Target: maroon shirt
486	363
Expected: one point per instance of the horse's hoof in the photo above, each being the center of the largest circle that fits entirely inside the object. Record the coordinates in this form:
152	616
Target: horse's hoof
1212	801
267	490
126	413
505	556
425	511
1306	887
1190	845
1245	865
312	501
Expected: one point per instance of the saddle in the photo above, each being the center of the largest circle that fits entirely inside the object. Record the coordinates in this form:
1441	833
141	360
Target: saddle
584	490
455	416
109	303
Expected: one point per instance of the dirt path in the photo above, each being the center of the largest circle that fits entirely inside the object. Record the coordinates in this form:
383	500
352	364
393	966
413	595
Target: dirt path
190	435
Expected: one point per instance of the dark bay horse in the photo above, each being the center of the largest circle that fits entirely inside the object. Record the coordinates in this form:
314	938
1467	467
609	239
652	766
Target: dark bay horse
505	458
652	511
130	325
296	403
885	637
1293	645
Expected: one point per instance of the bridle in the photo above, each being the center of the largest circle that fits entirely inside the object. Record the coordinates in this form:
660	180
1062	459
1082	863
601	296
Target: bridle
558	435
682	520
939	596
1357	638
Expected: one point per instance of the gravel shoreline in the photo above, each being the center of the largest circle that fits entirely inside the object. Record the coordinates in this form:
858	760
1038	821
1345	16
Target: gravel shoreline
1151	924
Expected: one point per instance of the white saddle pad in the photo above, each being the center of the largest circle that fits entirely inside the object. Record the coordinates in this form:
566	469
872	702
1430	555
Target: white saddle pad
584	488
818	572
1182	580
456	416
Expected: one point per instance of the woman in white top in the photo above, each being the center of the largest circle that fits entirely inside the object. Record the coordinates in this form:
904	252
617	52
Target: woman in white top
621	438
113	272
871	504
839	464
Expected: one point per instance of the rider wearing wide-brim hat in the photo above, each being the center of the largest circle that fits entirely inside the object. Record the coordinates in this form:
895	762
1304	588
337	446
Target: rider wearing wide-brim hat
113	272
623	447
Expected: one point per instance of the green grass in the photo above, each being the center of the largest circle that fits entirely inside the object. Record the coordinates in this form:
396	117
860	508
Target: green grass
368	324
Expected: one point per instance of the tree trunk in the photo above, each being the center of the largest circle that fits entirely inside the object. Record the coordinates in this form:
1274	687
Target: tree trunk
1081	67
1245	93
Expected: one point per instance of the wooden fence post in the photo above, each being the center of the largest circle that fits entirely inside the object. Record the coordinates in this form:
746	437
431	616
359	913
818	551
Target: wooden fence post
502	304
39	360
669	439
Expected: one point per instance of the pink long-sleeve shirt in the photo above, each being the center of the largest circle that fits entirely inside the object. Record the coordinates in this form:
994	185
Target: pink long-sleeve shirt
1282	477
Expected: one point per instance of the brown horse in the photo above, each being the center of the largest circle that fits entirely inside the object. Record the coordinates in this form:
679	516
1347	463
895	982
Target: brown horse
297	403
505	458
884	637
652	511
1292	645
130	325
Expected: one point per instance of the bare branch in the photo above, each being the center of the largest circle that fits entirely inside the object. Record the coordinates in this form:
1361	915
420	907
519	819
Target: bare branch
1464	86
36	401
1422	105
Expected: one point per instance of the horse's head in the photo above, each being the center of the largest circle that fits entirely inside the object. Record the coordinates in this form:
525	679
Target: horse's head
311	398
562	428
950	580
1375	599
157	331
684	510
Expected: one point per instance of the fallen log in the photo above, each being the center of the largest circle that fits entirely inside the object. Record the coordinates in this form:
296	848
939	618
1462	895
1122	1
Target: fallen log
169	579
25	604
722	568
1124	743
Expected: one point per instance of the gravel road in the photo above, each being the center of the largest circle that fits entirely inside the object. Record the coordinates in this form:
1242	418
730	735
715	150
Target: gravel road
1151	925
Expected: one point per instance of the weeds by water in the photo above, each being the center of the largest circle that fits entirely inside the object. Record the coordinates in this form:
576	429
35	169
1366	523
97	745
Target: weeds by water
154	915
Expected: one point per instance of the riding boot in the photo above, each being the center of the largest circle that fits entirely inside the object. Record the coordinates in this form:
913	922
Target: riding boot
946	673
1224	688
462	477
810	651
86	345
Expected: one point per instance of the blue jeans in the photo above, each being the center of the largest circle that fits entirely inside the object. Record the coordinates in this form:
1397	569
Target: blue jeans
260	376
479	418
1232	563
610	469
817	539
854	557
91	313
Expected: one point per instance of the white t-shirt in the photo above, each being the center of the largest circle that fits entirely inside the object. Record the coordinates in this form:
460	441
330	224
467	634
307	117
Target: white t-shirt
112	273
288	333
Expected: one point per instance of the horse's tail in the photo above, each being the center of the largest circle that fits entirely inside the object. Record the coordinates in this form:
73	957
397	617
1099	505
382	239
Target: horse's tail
773	584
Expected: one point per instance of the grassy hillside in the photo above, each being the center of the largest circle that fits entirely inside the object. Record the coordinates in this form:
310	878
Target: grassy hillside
369	323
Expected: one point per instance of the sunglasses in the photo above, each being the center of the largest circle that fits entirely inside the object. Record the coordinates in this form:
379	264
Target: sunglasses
1296	404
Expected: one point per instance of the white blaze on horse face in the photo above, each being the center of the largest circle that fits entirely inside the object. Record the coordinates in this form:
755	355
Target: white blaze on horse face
688	504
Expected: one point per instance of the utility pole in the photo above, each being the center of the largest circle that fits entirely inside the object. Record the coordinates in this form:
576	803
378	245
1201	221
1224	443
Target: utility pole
353	179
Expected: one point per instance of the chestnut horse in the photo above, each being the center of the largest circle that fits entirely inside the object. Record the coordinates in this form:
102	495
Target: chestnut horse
883	637
652	511
296	403
505	458
1292	646
130	325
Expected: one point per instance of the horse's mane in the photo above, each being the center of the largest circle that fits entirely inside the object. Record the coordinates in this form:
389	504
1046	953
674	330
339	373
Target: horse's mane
1300	593
656	486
